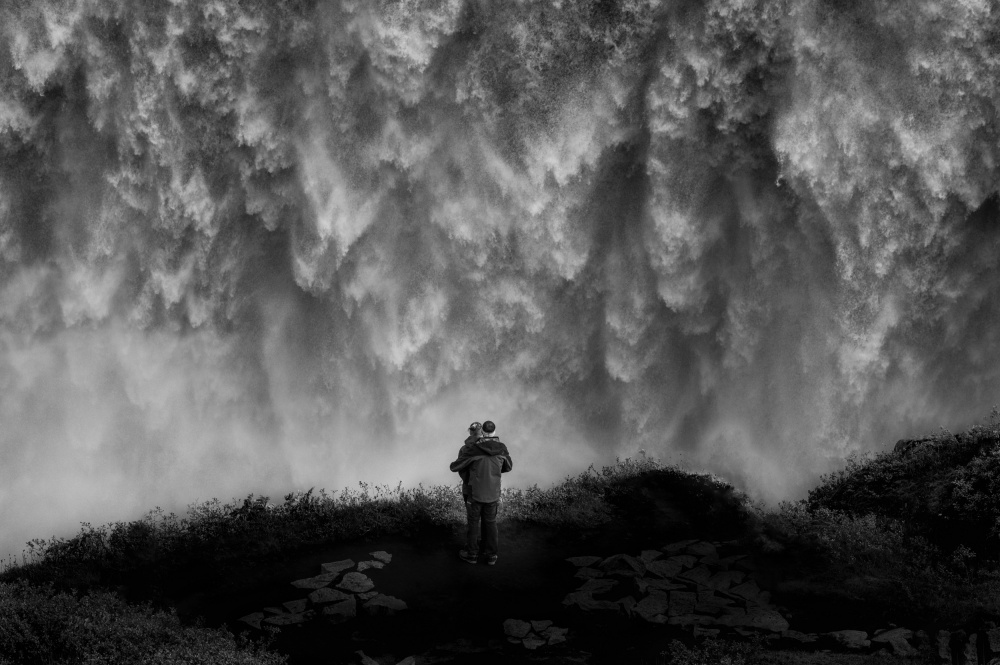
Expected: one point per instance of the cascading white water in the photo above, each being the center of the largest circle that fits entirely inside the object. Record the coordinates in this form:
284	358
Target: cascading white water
258	246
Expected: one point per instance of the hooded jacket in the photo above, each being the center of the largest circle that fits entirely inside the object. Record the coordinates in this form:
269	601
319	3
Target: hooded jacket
480	464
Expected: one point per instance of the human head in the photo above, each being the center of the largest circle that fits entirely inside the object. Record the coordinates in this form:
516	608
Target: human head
475	428
489	428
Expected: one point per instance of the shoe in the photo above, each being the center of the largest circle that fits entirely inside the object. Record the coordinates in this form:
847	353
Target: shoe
468	557
491	560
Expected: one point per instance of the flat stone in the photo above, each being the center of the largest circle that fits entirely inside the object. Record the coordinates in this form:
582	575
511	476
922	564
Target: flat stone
514	640
583	561
727	561
294	606
623	564
760	620
645	583
343	611
852	640
701	631
715	606
651	607
649	555
597	586
315	582
710	560
682	602
367	595
327	595
666	568
366	659
533	642
725	579
747	590
285	619
356	583
555	635
585	601
588	573
686	620
275	610
540	625
797	638
254	619
701	574
889	634
409	660
382	556
382	605
516	628
685	560
674	548
365	565
901	647
700	549
337	566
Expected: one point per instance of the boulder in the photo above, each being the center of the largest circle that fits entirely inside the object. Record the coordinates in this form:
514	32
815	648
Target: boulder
588	573
555	635
623	564
583	561
682	602
356	583
851	640
701	574
337	566
516	628
725	579
674	548
342	611
540	625
382	556
700	549
326	596
294	606
382	605
533	641
253	620
315	582
665	568
649	555
652	609
285	619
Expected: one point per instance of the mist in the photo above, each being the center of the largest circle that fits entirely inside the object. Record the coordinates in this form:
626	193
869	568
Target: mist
260	247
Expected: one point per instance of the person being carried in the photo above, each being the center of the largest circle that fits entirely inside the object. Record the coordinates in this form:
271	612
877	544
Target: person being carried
480	463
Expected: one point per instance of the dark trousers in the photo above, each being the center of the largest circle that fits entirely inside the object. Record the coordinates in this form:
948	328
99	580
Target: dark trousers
481	516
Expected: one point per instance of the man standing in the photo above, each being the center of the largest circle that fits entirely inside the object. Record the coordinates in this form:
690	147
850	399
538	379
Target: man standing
481	462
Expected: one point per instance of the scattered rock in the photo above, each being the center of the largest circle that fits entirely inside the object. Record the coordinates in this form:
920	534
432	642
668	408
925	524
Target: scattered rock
889	634
644	584
315	582
701	631
726	562
295	606
682	602
516	628
747	590
674	548
701	574
649	555
759	620
623	564
367	595
711	560
852	640
725	579
342	611
337	566
540	625
382	605
685	560
356	583
588	573
382	556
700	549
688	620
253	620
744	564
326	595
714	605
555	635
275	610
285	619
583	561
795	638
665	568
597	586
365	565
533	642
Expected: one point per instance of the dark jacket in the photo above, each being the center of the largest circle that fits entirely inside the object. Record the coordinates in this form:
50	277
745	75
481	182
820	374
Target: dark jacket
480	464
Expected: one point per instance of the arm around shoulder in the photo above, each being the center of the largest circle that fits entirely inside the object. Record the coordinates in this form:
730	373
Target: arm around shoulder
508	463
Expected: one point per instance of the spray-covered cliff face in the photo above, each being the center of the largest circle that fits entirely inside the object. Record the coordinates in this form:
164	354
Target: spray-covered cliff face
258	246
